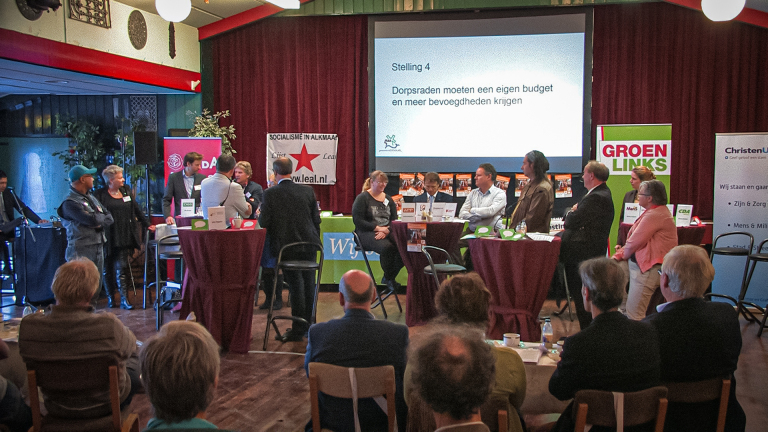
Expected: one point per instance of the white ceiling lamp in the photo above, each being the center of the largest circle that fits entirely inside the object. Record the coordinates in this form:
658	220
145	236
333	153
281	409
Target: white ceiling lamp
173	10
722	10
286	4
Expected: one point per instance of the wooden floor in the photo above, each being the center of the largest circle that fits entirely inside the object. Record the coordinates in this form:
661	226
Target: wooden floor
268	391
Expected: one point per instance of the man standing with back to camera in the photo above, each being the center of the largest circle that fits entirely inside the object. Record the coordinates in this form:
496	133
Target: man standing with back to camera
289	213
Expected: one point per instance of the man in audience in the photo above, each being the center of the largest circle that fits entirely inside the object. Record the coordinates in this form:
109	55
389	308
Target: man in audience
73	331
613	353
698	339
184	184
587	228
289	213
432	192
14	412
454	375
180	371
358	340
220	190
484	206
84	218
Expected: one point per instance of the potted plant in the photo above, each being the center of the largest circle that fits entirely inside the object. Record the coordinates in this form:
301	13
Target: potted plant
84	145
207	125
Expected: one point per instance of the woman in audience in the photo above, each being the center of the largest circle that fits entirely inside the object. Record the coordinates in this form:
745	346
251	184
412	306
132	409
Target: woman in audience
123	236
650	238
372	213
537	197
638	175
464	300
254	193
180	371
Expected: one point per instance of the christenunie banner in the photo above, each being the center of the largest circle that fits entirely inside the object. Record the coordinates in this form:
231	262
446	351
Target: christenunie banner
313	155
741	204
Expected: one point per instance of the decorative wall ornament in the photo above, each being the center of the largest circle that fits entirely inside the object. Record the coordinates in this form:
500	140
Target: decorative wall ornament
137	30
28	12
94	12
172	40
144	112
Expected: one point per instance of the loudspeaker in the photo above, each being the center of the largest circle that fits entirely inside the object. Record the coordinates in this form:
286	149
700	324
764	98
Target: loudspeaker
145	146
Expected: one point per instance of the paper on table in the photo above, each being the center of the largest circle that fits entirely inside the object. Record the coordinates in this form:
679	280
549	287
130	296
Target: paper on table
529	355
540	237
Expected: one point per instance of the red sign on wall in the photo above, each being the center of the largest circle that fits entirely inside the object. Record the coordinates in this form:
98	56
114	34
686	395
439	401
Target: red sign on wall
176	148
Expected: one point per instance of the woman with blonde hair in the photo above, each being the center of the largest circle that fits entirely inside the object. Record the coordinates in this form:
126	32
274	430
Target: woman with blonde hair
254	193
372	212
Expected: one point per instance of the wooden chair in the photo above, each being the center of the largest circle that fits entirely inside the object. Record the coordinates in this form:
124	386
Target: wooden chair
74	378
335	381
702	391
596	408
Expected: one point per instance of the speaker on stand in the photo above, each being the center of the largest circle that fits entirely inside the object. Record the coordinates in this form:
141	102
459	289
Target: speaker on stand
145	149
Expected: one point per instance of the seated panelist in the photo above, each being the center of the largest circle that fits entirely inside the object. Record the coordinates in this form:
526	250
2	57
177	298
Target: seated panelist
431	191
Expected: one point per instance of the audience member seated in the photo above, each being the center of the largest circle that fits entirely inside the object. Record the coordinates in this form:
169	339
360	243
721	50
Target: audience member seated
537	197
73	331
180	371
220	190
454	374
372	213
14	412
358	340
613	353
432	192
464	299
698	339
650	238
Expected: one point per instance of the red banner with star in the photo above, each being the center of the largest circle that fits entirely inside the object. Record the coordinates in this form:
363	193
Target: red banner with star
313	155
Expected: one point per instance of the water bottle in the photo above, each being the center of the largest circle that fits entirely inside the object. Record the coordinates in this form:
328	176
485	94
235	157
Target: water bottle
191	317
547	335
523	227
27	311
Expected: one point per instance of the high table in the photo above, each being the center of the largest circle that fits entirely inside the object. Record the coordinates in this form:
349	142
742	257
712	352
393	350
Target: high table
518	274
686	235
420	296
220	282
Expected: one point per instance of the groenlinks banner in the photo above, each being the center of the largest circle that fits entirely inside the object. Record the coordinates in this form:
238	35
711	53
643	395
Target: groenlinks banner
313	155
624	147
741	205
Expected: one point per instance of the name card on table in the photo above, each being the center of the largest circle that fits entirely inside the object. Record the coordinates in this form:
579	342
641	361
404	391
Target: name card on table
216	218
438	210
187	207
199	224
326	213
483	231
421	212
409	212
249	224
449	210
671	208
683	215
631	212
510	234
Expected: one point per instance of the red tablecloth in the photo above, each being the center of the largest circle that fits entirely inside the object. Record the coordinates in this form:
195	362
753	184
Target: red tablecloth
220	282
518	275
420	296
687	235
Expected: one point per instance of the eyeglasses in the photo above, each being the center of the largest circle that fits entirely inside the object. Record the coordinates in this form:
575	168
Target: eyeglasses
660	273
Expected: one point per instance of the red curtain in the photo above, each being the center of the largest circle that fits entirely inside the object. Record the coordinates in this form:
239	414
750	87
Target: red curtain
305	74
661	63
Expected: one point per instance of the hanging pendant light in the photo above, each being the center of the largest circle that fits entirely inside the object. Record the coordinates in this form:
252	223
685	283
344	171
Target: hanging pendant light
173	10
286	4
722	10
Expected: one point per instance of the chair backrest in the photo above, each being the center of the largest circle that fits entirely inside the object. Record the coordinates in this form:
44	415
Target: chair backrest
76	377
702	391
596	408
743	233
336	381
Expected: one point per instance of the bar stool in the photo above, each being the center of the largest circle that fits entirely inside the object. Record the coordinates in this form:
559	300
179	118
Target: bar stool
561	267
147	286
295	265
736	251
753	259
166	249
448	268
379	300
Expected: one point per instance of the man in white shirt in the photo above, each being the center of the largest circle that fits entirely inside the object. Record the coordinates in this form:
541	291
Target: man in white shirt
220	190
484	206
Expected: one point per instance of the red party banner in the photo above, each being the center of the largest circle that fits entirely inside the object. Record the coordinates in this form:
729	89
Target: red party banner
177	147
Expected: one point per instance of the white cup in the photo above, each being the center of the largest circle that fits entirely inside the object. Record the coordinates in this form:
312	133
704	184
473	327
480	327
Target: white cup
512	340
237	222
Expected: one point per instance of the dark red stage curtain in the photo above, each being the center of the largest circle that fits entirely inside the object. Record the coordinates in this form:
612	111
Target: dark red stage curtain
305	74
660	63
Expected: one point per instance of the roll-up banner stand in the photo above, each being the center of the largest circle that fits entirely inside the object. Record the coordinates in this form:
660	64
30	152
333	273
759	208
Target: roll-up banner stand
741	204
624	147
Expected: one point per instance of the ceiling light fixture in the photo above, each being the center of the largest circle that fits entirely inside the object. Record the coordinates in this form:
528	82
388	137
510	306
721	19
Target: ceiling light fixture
173	10
722	10
286	4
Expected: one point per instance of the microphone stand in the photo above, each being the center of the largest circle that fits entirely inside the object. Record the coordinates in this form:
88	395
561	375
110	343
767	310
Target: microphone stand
24	220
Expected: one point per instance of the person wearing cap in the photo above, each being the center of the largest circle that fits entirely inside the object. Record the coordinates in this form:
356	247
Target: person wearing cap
84	218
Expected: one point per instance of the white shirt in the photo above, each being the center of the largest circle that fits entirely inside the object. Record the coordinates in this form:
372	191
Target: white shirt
484	209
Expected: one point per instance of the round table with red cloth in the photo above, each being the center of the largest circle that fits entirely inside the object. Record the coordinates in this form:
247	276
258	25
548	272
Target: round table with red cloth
220	282
518	275
686	235
420	296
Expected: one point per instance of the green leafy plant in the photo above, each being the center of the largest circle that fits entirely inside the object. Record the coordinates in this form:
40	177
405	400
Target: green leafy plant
207	125
85	147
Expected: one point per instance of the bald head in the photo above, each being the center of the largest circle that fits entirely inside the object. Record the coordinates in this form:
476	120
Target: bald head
356	288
